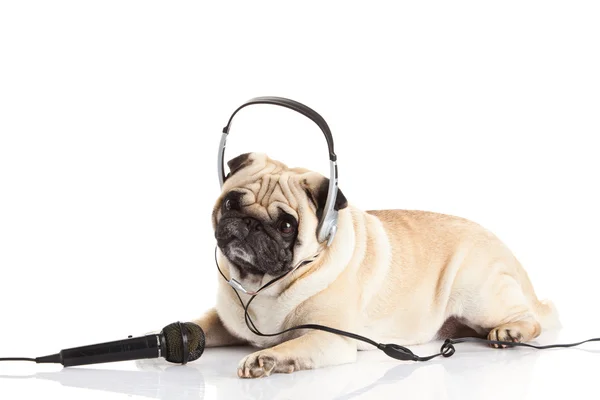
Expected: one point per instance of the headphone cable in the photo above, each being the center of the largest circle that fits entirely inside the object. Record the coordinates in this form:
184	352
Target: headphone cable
391	349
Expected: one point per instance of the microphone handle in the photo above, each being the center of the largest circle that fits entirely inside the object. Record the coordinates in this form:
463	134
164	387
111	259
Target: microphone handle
149	346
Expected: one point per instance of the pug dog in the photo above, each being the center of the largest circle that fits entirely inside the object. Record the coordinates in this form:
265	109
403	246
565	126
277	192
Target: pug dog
397	276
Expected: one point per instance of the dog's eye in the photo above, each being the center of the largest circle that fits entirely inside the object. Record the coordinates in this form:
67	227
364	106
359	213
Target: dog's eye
232	204
287	226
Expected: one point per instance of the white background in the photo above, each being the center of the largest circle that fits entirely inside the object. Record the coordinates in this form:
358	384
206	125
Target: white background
111	113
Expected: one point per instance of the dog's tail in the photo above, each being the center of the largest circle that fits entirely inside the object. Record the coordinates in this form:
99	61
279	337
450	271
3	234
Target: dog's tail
547	314
545	310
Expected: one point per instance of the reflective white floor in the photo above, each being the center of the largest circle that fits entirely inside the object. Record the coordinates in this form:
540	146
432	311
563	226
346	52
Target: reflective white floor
475	372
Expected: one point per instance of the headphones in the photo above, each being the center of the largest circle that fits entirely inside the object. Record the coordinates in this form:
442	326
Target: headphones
328	223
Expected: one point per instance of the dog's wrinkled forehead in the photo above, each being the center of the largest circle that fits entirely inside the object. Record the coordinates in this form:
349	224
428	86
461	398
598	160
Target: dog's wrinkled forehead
266	185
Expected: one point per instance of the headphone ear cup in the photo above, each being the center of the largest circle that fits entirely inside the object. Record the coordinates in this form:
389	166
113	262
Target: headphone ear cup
327	228
331	234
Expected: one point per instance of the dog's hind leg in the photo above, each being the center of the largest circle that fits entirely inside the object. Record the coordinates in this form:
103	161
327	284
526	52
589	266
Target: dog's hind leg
503	303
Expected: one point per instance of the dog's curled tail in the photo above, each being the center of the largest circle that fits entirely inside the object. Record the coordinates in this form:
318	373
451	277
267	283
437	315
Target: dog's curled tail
547	314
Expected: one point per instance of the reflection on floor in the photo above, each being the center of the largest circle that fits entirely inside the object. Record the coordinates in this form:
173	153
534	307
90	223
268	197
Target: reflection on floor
475	371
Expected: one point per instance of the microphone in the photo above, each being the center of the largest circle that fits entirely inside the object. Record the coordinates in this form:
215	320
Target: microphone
177	343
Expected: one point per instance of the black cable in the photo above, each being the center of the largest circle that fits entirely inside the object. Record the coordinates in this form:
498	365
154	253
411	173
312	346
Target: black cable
511	344
17	359
391	349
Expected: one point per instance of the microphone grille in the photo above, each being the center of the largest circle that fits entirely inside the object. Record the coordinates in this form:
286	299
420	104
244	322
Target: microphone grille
173	336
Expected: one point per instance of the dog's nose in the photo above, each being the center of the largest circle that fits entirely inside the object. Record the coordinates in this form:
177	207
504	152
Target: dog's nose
252	224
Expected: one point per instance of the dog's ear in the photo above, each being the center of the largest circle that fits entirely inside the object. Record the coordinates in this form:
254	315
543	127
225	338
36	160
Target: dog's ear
238	163
316	187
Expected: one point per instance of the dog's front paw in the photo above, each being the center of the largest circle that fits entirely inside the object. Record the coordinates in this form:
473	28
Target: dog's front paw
264	363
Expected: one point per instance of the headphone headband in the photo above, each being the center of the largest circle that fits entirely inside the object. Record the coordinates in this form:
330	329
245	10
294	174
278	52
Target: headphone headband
296	106
328	223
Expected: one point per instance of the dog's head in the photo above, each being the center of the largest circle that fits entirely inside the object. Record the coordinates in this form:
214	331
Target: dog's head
266	218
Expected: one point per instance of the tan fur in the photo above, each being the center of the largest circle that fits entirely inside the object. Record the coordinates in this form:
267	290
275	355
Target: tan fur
399	276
